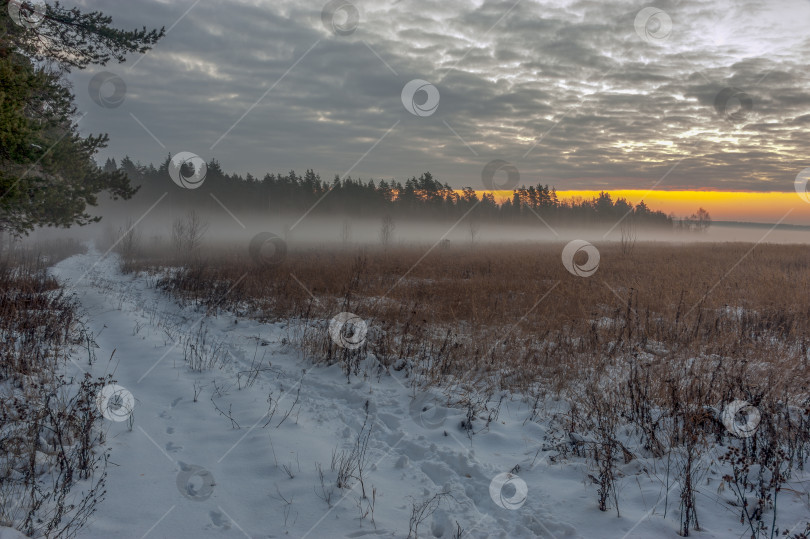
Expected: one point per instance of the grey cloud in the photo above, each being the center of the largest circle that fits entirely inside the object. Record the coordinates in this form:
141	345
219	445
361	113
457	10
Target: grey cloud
608	109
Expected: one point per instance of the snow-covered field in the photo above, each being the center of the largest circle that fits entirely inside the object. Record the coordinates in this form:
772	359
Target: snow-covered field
220	465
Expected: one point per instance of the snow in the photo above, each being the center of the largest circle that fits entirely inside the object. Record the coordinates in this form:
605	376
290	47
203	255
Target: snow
184	469
10	533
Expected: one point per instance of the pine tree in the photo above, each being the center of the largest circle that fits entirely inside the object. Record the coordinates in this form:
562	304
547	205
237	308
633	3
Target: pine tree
47	173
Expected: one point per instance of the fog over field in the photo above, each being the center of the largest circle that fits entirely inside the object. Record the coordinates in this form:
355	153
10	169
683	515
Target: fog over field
329	231
412	269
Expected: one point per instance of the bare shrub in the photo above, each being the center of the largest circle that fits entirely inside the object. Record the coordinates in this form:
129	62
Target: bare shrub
605	447
50	437
422	510
387	231
629	235
128	244
762	464
350	464
346	232
188	232
474	227
203	351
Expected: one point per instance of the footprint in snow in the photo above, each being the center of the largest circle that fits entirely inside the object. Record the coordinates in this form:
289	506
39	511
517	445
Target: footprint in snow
219	521
174	448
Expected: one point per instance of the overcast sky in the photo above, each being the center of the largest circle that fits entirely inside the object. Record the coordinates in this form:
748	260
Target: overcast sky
580	95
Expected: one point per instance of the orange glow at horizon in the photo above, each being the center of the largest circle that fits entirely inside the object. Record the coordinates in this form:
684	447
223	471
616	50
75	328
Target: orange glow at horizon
767	207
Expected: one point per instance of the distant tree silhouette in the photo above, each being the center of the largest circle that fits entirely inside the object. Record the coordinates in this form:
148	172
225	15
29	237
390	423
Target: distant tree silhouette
700	221
422	197
703	219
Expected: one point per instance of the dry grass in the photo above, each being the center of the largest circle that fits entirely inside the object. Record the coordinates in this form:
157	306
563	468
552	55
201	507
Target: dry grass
504	305
50	440
657	343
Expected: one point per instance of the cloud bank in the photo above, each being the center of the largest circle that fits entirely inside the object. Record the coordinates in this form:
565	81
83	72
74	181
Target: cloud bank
580	95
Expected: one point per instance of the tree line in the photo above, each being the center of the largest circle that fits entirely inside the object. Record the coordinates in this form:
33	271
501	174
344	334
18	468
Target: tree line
422	197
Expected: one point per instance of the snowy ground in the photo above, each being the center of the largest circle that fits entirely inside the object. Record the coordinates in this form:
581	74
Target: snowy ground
186	470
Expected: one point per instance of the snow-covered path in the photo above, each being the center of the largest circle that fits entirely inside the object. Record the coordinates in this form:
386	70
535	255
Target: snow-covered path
186	470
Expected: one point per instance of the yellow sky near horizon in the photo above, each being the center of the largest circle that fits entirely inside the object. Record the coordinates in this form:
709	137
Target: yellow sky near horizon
767	207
